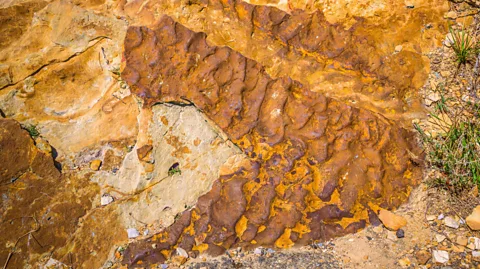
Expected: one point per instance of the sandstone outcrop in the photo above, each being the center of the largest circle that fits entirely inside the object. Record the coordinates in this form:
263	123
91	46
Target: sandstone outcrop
223	124
344	49
40	206
61	70
318	168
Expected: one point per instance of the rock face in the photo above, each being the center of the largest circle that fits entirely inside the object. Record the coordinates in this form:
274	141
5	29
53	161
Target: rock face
61	75
32	202
63	81
143	187
339	48
232	123
317	166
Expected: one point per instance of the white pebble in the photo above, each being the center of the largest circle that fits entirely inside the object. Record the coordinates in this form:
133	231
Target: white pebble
440	256
132	233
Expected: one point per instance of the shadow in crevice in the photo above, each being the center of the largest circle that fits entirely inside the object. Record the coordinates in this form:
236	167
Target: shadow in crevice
54	156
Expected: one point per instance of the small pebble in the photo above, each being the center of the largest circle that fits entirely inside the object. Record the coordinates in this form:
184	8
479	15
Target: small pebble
391	235
440	256
132	233
106	199
95	165
440	237
400	233
451	222
182	252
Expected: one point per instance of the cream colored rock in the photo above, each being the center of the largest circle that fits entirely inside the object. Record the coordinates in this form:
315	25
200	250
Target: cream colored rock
440	237
451	222
60	77
440	256
475	241
391	220
473	220
147	194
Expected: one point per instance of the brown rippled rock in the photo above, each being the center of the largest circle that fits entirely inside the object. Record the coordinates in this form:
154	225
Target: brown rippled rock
318	167
340	48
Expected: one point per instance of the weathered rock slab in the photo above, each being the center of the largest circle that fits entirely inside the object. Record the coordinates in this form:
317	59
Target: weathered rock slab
317	167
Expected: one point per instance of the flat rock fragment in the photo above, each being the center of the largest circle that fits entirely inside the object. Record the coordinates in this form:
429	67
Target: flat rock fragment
473	220
391	220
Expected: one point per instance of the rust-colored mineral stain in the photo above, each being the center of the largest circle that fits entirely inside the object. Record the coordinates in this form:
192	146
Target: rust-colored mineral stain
340	48
29	185
317	167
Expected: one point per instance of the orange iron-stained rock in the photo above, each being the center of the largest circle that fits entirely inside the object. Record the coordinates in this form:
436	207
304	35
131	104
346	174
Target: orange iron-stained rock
313	164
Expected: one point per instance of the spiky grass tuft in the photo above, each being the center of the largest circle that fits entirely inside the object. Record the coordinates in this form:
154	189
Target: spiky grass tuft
463	45
455	153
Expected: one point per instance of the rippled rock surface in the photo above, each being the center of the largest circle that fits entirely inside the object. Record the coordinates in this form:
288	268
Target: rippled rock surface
316	168
285	122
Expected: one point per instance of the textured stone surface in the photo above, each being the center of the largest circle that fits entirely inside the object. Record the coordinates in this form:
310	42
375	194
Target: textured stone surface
344	49
317	166
60	73
144	190
74	96
276	162
33	202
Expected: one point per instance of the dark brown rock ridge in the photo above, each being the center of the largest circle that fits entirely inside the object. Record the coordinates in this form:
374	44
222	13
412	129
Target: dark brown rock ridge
374	60
317	167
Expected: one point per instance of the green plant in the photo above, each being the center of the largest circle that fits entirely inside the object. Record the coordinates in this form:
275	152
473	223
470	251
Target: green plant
174	169
118	77
462	44
456	151
32	130
441	104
